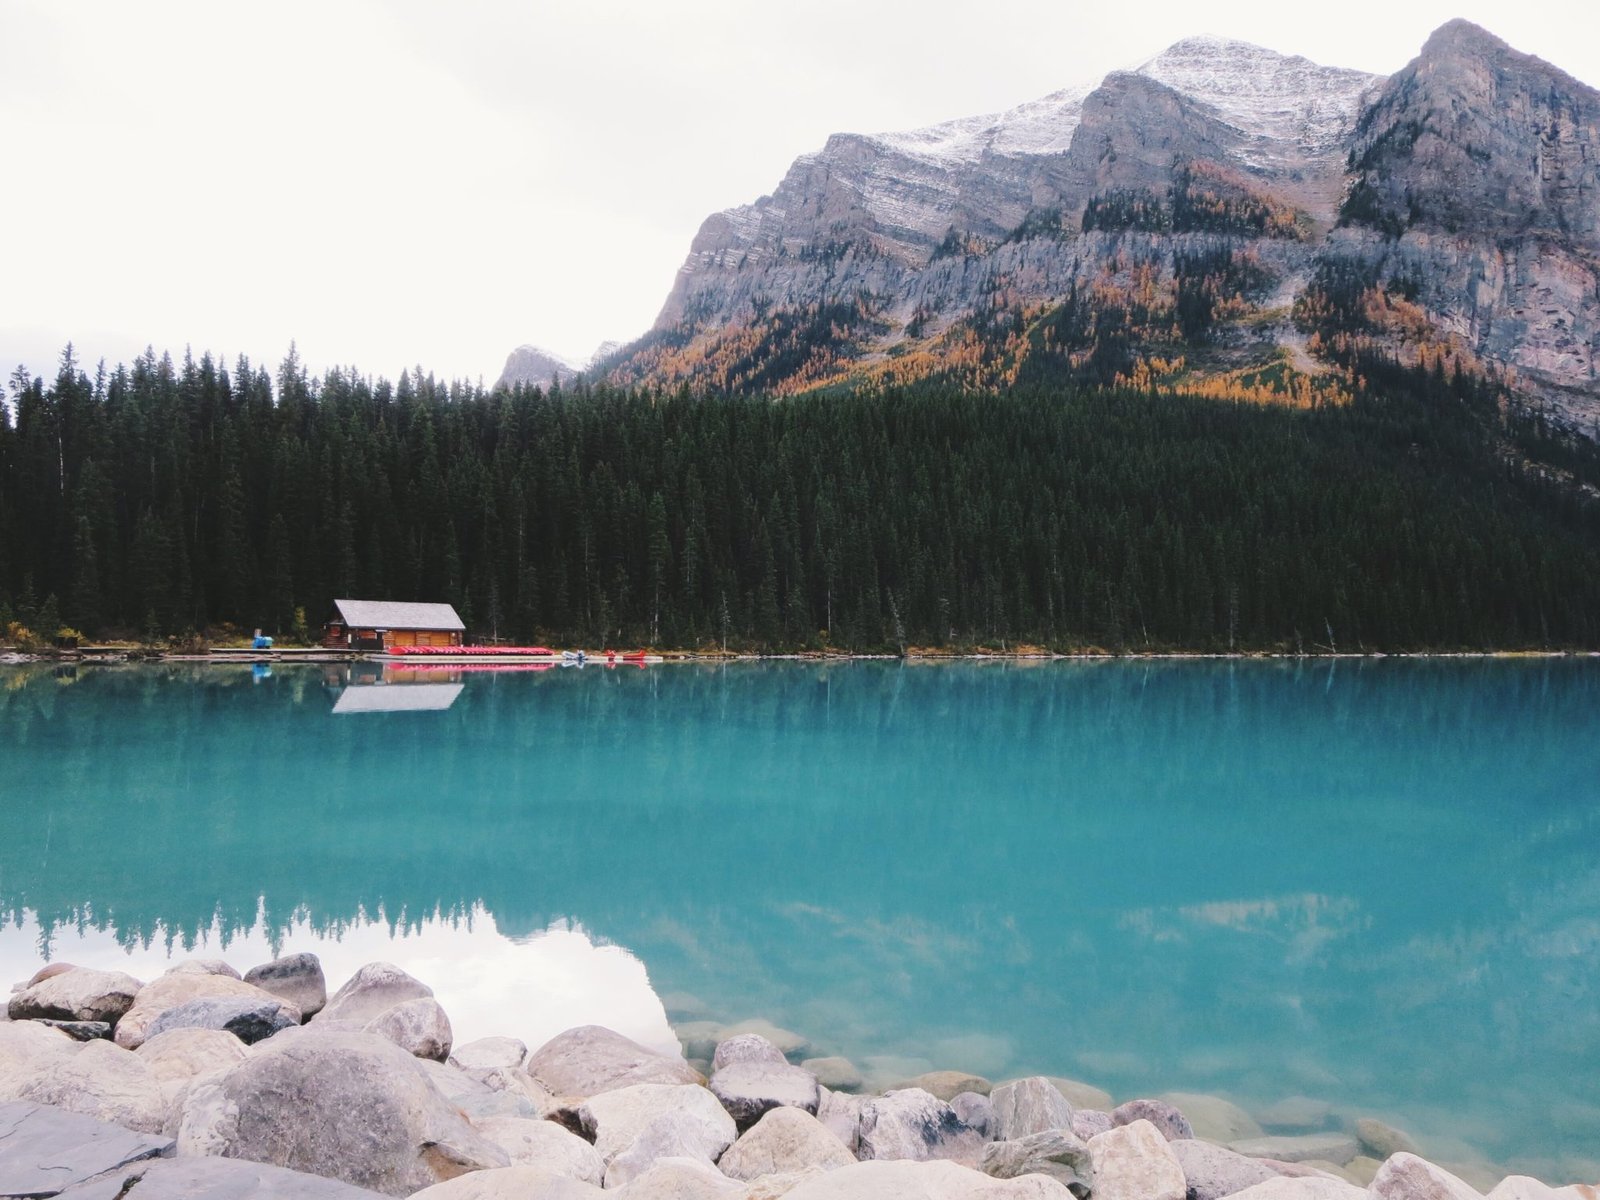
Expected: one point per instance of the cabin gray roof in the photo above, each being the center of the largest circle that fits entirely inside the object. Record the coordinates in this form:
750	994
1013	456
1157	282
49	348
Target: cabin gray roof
395	614
397	697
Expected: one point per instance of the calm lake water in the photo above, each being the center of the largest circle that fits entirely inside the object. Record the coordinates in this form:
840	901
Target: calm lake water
1372	883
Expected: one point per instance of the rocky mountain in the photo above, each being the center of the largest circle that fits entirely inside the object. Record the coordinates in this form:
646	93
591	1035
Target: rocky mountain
535	366
1223	218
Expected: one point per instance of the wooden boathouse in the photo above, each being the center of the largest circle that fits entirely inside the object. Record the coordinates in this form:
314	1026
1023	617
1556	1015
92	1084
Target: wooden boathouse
384	624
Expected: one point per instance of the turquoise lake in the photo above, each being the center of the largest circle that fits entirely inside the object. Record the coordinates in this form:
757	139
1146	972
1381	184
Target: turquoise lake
1373	883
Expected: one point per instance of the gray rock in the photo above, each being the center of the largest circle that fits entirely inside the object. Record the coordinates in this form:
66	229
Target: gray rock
511	1183
615	1118
793	1045
168	992
946	1084
1382	1140
1303	1187
1136	1162
1406	1177
677	1134
841	1114
1028	1106
590	1059
26	1047
748	1089
349	1106
297	978
418	1027
102	1081
180	1056
978	1112
372	991
76	994
1090	1122
1335	1147
914	1124
785	1140
1055	1153
203	966
911	1180
485	1054
1296	1114
546	1145
80	1031
1213	1171
1082	1095
834	1072
1213	1117
251	1019
746	1047
45	1150
1172	1123
213	1179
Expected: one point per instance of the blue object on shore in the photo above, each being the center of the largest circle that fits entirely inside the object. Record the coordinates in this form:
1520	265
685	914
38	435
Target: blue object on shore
262	643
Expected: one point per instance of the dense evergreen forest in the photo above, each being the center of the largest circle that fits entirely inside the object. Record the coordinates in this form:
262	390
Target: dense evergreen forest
162	499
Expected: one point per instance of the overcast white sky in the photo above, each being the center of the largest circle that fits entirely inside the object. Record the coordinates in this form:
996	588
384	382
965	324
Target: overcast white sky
394	182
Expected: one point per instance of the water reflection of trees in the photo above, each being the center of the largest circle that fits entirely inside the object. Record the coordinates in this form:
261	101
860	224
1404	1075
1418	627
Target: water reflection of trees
1326	851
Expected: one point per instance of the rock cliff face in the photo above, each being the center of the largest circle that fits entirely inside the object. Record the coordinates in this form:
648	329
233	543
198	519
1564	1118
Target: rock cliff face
1191	222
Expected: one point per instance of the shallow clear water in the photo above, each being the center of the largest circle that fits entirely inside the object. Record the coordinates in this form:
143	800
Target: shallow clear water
1376	883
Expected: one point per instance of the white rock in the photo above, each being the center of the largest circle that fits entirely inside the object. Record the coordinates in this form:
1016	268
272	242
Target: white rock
672	1135
1525	1187
1135	1162
371	992
179	1056
510	1183
590	1059
24	1046
841	1114
1027	1106
78	994
619	1116
203	966
1214	1171
680	1179
418	1027
913	1124
102	1081
746	1047
1304	1187
1406	1177
748	1088
486	1054
908	1180
785	1140
772	1187
530	1142
169	991
1056	1153
792	1044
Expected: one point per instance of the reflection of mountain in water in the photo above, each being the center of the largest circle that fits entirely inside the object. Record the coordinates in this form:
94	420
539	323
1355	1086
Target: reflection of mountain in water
1349	879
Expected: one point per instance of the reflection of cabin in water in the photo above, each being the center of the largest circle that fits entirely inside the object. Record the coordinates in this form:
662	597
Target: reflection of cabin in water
384	624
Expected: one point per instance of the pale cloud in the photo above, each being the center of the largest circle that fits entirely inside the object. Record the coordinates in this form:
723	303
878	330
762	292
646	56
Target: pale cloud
407	182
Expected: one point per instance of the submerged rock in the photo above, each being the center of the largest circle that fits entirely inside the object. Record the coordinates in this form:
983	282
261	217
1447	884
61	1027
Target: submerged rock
297	978
1296	1114
1214	1118
1082	1095
784	1140
48	1149
349	1106
75	994
839	1074
946	1084
1136	1162
1382	1140
1334	1147
916	1125
1028	1106
748	1089
1055	1153
591	1059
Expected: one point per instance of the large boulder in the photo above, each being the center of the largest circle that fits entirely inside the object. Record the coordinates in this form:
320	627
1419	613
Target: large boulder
490	1053
1135	1162
25	1047
746	1047
1027	1106
1214	1171
680	1179
251	1019
1165	1117
102	1081
841	1115
180	1056
908	1180
350	1106
1056	1153
168	992
914	1124
76	994
590	1059
372	991
511	1183
1214	1118
793	1045
672	1135
47	1150
418	1027
202	966
1406	1177
297	978
749	1088
530	1142
1337	1148
616	1118
1301	1187
784	1140
215	1179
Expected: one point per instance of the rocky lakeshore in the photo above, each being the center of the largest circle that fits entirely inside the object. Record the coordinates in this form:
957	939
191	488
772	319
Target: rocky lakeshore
205	1082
